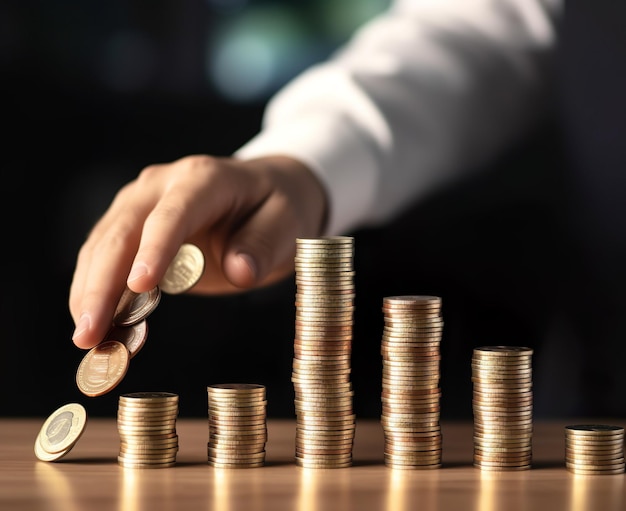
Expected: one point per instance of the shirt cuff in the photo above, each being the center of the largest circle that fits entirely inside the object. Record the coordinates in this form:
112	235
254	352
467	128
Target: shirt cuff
335	152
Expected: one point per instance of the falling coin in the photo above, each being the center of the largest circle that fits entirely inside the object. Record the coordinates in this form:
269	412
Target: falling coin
60	432
184	271
102	368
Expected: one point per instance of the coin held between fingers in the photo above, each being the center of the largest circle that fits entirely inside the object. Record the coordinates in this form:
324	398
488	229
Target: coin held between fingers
184	271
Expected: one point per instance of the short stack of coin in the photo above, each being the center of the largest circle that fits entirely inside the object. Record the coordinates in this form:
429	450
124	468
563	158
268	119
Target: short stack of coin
411	394
502	406
237	425
146	423
325	421
594	449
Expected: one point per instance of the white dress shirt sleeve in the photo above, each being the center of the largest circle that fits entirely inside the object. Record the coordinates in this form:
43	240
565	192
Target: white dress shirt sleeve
422	94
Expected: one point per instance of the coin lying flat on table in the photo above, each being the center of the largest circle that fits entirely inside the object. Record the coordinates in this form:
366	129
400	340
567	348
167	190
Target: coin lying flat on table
184	271
60	432
102	368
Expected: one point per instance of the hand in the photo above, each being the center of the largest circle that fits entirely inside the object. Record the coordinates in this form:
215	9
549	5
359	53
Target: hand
244	215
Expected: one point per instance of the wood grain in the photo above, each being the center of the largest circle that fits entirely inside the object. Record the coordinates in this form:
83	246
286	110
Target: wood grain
89	478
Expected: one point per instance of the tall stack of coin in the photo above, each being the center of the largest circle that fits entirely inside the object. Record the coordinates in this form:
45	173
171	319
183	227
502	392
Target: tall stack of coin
594	449
502	406
237	425
146	423
325	421
410	397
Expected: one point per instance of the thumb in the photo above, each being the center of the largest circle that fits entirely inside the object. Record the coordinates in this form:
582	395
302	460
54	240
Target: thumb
262	250
241	268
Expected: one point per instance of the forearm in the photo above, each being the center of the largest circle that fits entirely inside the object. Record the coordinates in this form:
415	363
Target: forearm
422	94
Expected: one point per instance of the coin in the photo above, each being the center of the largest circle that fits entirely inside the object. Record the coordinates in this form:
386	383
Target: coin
102	368
146	398
60	432
134	307
596	430
44	455
184	271
133	336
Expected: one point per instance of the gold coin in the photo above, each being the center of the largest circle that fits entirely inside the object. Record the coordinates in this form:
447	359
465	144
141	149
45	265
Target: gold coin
412	467
326	300
503	350
219	450
600	430
236	411
44	455
217	464
143	420
499	468
580	471
161	455
240	388
237	458
411	300
184	271
325	241
144	430
102	368
316	441
151	443
616	465
132	464
576	452
135	307
324	268
62	429
146	414
587	445
149	398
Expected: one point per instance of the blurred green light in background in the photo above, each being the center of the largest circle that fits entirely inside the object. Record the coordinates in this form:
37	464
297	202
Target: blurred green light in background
251	56
256	51
340	18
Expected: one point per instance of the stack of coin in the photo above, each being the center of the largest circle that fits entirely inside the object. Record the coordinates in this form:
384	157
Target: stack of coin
410	394
502	406
325	421
146	423
594	449
237	425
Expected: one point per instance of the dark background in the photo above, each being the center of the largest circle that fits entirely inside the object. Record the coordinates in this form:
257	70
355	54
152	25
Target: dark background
93	92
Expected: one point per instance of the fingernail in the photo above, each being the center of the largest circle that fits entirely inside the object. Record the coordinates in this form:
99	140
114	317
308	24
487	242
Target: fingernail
137	271
82	326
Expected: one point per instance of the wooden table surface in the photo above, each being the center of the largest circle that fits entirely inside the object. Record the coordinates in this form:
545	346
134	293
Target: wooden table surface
89	477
